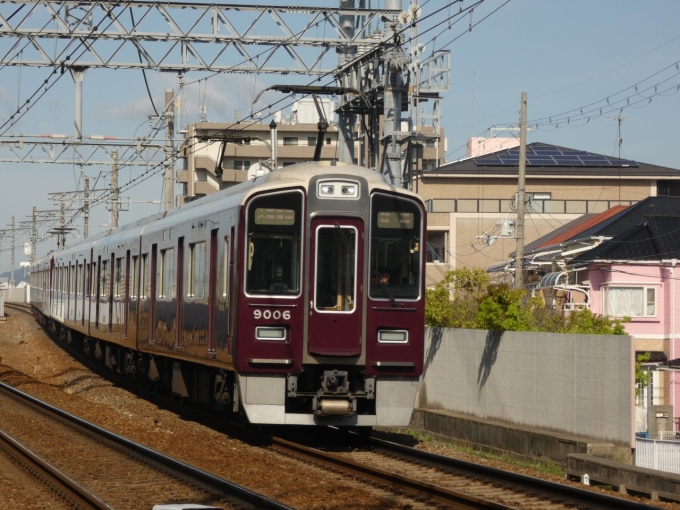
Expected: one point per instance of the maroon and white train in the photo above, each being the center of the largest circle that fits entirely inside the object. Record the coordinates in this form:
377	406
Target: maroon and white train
297	298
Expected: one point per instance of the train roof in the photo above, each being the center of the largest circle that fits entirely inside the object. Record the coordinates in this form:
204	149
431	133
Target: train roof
293	175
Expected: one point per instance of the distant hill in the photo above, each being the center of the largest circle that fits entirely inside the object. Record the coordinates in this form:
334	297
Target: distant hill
20	275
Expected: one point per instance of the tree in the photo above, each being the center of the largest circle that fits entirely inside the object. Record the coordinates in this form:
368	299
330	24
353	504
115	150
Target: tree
641	376
467	299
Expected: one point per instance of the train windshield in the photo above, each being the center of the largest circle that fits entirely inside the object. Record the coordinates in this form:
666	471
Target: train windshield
274	246
396	234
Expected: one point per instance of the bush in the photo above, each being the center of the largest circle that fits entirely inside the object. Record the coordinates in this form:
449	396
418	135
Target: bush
467	299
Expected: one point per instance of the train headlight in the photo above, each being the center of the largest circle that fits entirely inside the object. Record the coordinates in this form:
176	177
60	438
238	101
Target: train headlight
393	336
270	333
349	190
327	189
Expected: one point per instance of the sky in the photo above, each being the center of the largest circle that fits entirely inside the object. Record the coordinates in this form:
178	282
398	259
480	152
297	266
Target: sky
606	58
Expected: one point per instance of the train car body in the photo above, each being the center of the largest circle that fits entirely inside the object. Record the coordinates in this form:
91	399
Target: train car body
295	298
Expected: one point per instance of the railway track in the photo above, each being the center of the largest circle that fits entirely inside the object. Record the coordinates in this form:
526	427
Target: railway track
447	481
46	485
19	308
118	472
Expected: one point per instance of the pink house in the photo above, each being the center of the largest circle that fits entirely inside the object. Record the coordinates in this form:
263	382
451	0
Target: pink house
635	274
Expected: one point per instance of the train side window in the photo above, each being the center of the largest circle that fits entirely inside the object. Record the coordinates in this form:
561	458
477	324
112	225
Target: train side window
225	268
197	270
93	280
135	277
104	285
167	273
144	277
119	277
86	281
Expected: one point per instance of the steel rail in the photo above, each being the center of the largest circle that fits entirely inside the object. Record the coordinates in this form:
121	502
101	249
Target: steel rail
400	483
20	308
75	494
182	468
529	483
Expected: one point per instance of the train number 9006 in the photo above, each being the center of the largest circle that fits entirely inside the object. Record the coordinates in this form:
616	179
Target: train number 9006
269	314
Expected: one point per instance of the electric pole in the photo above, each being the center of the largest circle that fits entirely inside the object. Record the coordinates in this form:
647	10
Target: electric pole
519	252
169	154
86	208
114	190
14	237
34	237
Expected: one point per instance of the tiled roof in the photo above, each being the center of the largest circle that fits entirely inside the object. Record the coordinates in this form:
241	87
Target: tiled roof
470	167
632	216
583	226
656	238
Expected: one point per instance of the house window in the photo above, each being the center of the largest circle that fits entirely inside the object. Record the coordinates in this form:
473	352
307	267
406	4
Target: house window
630	301
668	188
311	141
241	165
328	141
290	140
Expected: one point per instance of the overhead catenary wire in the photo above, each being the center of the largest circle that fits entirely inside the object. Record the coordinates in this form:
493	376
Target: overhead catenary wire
151	171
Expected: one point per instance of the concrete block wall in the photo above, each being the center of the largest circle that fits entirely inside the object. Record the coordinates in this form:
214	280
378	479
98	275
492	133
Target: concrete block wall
17	294
573	384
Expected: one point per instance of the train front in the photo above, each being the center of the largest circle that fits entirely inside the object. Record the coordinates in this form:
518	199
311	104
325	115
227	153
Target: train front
330	325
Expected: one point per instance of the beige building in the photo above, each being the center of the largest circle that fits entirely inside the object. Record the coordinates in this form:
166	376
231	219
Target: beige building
248	151
472	208
252	153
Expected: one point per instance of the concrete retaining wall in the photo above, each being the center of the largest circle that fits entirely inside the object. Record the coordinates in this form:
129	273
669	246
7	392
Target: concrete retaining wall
572	384
17	295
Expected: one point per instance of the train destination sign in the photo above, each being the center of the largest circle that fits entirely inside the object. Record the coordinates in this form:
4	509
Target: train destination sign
265	216
393	219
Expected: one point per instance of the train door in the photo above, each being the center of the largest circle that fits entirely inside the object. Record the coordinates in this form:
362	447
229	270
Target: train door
153	293
179	295
126	293
212	289
79	293
336	291
85	290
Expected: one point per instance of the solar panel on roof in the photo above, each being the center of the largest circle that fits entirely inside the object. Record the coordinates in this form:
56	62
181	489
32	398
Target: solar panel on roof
487	161
547	150
509	160
625	162
540	160
568	160
595	161
575	153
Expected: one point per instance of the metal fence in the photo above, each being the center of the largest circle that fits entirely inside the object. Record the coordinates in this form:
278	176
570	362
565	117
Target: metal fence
661	455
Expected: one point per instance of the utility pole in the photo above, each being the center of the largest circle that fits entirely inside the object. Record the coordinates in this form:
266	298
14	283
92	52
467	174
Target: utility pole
395	63
519	252
86	208
346	119
34	237
169	149
62	226
114	190
14	237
